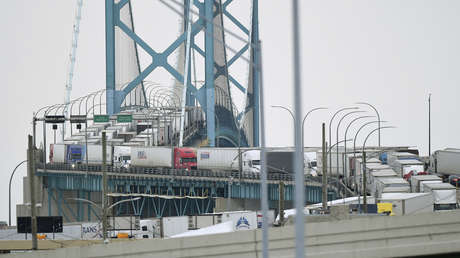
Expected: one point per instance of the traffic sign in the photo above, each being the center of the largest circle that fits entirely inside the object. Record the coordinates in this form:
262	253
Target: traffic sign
101	118
77	119
124	118
54	119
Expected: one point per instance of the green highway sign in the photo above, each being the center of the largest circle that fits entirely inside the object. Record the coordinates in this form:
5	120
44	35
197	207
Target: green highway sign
101	119
124	118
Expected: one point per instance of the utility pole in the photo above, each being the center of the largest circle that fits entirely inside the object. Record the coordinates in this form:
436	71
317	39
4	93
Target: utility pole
31	175
429	125
364	184
104	186
324	168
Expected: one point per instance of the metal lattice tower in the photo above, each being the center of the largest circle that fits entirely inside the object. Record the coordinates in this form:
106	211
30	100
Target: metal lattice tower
222	121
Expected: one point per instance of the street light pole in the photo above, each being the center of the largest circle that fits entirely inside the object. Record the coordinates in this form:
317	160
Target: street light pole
378	115
354	149
337	142
345	169
303	126
9	191
330	140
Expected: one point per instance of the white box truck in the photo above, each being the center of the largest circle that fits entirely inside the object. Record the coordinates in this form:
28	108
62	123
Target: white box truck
408	203
444	195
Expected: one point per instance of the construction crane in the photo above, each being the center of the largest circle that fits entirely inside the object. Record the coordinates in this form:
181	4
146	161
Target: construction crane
76	32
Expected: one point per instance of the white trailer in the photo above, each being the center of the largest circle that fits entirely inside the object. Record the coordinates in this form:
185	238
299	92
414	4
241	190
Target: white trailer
416	182
406	166
374	176
95	154
151	156
445	162
444	195
171	226
57	153
390	185
217	158
408	203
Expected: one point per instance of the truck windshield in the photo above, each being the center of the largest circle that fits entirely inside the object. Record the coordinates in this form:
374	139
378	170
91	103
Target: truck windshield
256	162
187	160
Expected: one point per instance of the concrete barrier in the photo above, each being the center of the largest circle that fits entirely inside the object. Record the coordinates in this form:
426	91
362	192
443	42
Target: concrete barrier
373	236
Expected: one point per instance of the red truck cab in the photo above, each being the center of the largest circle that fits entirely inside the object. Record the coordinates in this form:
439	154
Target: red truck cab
184	158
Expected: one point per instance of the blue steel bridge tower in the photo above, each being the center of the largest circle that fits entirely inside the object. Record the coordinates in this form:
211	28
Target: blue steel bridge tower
223	122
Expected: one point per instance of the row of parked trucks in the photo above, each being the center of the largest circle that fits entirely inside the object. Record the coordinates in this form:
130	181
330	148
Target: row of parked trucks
403	179
218	159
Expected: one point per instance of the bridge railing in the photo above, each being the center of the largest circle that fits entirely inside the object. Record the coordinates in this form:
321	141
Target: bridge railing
171	172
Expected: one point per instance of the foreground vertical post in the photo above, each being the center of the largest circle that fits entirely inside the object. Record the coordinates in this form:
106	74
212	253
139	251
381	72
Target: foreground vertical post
263	160
298	159
104	186
31	176
324	168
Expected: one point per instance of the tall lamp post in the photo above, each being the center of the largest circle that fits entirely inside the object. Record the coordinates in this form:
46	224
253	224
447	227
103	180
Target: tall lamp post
377	112
364	166
337	144
9	191
354	145
345	169
304	118
330	140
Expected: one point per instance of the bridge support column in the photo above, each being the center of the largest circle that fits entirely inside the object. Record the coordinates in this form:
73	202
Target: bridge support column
209	72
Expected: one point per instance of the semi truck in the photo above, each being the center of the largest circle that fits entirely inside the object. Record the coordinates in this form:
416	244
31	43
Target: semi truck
179	158
445	162
444	195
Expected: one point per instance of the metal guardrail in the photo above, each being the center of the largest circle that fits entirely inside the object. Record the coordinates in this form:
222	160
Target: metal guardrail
170	172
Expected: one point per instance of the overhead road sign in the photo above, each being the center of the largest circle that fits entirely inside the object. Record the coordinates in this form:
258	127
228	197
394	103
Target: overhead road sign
54	119
124	118
77	119
101	119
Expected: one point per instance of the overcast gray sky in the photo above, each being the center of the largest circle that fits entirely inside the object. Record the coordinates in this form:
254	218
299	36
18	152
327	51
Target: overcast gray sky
390	53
